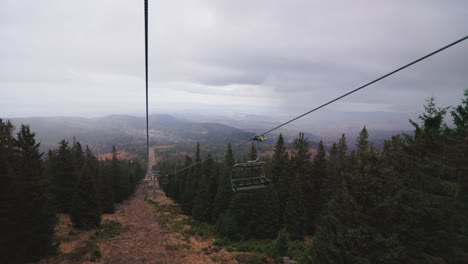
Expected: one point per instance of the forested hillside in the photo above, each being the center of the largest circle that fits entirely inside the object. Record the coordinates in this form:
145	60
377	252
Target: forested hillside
404	204
68	180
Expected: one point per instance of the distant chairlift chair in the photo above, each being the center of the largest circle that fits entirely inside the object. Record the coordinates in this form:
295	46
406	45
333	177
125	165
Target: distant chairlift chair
164	179
250	175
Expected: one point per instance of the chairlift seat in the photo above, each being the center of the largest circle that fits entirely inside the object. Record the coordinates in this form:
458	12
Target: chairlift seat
164	179
248	176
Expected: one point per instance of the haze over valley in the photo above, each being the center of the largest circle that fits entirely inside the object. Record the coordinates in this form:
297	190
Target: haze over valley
129	132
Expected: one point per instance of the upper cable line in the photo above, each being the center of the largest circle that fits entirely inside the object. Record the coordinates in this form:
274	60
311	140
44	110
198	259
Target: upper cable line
339	97
369	83
146	79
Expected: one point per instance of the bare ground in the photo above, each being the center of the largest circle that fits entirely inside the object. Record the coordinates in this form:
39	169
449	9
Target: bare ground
143	241
149	240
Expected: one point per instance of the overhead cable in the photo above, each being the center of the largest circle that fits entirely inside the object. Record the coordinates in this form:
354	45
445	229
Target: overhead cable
341	97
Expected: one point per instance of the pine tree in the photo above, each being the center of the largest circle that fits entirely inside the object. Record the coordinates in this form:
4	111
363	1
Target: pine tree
241	208
265	213
180	179
301	157
331	182
365	154
227	226
191	184
86	210
459	149
280	175
280	247
357	227
302	169
294	216
116	172
212	169
342	151
315	199
224	191
363	145
432	118
337	163
7	194
202	206
64	178
77	156
256	213
106	187
185	177
32	210
433	188
460	115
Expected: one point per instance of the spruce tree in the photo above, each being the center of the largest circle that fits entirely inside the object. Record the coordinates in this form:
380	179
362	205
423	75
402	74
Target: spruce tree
280	174
117	175
342	151
106	187
331	182
459	148
295	214
315	199
203	204
180	179
365	154
460	116
77	156
32	210
86	210
301	156
433	190
302	169
280	246
224	191
64	178
337	164
7	194
212	169
185	176
357	227
227	226
191	183
265	213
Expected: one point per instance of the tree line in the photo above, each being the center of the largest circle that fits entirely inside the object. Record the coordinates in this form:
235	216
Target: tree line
405	203
68	180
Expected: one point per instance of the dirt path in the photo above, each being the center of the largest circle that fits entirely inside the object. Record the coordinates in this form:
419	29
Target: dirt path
149	238
143	241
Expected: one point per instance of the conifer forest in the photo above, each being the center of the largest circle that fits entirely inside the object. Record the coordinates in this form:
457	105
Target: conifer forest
404	203
67	180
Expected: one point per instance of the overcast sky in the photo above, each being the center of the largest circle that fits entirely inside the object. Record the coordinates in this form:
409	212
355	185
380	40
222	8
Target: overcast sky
86	58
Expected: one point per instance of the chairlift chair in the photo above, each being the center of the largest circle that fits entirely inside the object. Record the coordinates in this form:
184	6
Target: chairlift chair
251	174
164	179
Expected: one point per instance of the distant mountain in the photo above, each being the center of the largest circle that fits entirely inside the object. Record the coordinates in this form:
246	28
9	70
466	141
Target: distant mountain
125	131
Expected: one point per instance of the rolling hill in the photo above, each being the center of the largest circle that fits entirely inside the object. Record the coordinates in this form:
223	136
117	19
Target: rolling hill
125	131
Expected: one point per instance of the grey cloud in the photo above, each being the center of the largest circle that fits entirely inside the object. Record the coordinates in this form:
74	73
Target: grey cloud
302	53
